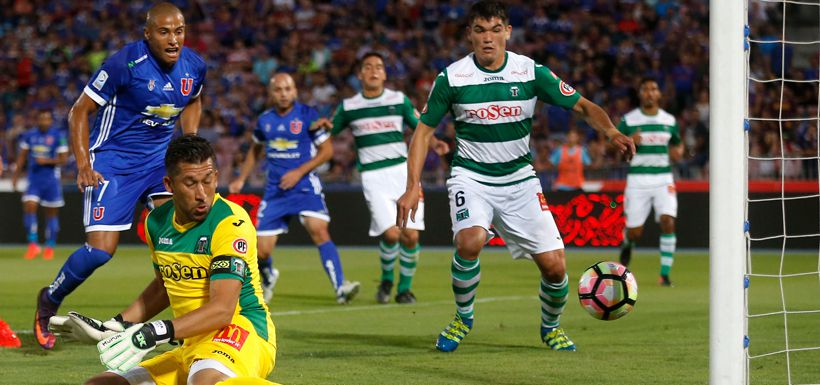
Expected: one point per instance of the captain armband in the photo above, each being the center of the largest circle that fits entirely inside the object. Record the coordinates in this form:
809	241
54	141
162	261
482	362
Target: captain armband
226	266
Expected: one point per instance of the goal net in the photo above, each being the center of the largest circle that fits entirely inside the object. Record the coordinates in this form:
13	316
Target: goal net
782	204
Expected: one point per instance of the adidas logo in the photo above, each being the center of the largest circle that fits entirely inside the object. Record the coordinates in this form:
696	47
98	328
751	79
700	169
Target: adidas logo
168	87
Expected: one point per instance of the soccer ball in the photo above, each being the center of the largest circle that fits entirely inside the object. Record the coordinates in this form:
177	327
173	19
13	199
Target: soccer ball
608	290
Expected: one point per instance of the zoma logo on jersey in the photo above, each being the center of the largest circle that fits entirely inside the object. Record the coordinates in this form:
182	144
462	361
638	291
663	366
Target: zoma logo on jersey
494	112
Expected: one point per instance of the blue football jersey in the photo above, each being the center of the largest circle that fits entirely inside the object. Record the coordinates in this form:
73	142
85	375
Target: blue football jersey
43	145
140	103
288	144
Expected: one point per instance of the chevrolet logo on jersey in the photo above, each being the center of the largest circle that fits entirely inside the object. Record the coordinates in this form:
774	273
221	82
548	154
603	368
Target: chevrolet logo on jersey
281	144
165	111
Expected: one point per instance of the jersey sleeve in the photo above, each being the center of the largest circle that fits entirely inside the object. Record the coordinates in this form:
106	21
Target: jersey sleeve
233	246
149	241
62	143
111	75
555	157
438	103
411	115
675	139
339	120
201	76
258	133
317	135
623	127
23	142
551	89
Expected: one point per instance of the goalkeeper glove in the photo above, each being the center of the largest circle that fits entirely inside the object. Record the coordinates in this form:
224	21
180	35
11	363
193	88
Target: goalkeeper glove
86	329
125	350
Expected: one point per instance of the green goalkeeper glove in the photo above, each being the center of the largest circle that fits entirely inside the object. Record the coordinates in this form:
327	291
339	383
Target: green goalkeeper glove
125	350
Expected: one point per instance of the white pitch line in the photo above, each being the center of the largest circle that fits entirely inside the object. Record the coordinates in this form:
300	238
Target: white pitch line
342	309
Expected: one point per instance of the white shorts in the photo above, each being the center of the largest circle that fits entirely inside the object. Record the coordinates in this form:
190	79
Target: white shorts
639	200
519	213
382	189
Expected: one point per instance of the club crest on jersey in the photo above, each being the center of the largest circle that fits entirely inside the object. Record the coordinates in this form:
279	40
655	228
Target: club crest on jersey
295	126
98	213
151	84
240	245
543	202
49	140
514	91
201	245
187	86
566	89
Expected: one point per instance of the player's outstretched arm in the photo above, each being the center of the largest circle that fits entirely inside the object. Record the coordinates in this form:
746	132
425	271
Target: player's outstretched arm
409	201
247	166
596	117
21	163
78	130
189	117
323	154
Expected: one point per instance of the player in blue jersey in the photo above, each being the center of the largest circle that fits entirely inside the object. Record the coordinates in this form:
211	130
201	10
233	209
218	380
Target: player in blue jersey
45	149
295	143
138	94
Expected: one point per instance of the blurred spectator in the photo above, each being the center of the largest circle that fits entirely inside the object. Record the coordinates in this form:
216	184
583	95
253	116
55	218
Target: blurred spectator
570	159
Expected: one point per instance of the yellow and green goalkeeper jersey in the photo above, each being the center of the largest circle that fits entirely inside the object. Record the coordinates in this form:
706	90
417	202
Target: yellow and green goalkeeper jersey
223	246
650	165
378	127
492	112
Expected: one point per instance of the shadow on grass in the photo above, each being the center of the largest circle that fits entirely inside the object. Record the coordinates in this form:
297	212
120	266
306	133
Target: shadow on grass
367	341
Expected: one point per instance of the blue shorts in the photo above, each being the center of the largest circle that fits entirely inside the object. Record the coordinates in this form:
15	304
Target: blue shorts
46	192
275	212
110	206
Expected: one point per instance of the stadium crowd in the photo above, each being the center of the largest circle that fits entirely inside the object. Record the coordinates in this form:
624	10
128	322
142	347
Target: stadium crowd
48	49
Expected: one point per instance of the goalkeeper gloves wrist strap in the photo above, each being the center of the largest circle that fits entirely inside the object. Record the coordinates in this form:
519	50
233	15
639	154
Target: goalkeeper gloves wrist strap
163	331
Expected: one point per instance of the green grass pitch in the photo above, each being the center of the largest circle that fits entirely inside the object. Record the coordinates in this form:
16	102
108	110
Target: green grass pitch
664	340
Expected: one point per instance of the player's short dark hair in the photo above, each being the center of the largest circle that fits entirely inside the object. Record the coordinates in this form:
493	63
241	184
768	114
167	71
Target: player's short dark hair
367	55
487	9
187	148
647	79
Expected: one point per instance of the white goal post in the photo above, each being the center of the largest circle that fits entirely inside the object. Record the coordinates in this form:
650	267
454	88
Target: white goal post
727	245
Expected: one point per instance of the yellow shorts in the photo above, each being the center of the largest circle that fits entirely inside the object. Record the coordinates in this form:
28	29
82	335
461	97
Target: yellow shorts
237	346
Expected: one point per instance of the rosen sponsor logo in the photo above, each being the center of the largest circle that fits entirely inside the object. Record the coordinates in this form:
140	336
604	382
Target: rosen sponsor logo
177	272
377	125
655	138
494	112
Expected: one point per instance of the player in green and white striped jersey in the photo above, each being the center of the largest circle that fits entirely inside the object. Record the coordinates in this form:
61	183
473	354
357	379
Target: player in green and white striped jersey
377	117
492	94
649	181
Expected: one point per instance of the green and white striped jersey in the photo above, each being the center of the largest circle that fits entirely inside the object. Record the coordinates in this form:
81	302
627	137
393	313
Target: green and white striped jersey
378	127
492	112
650	165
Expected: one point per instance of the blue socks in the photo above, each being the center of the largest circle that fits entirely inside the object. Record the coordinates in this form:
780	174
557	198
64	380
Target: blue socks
79	266
331	263
30	223
52	228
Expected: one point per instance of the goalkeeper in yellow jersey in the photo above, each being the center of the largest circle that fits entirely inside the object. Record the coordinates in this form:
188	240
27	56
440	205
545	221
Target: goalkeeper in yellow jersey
203	249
